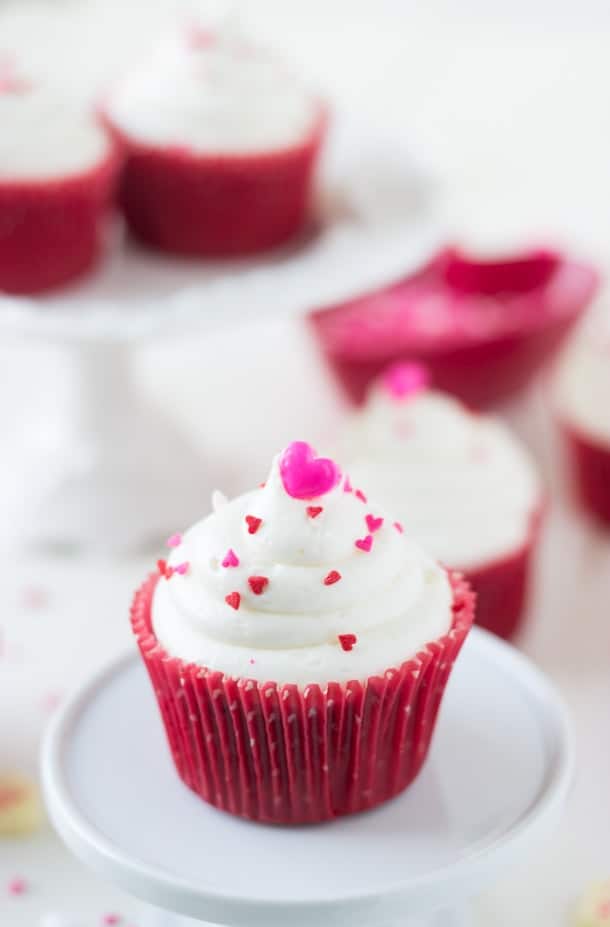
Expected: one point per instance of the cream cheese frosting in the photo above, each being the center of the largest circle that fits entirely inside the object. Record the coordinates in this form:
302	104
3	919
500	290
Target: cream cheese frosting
308	589
44	137
461	483
213	92
582	385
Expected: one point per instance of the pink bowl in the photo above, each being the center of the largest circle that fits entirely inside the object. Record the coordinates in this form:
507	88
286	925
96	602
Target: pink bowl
483	328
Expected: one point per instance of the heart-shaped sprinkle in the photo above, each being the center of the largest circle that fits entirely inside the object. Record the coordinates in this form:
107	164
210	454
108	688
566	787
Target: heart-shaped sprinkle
304	475
111	920
230	559
331	578
347	486
364	544
314	510
17	886
373	524
182	568
258	584
405	379
360	495
174	540
253	523
233	599
162	567
347	641
399	527
169	572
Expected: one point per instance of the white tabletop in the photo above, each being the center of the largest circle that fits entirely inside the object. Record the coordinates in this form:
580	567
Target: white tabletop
511	109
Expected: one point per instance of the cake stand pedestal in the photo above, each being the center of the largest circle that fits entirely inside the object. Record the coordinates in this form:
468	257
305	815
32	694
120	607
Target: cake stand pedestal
492	790
123	463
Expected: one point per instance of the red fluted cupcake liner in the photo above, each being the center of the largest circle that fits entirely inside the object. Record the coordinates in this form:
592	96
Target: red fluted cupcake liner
51	230
541	295
589	463
216	205
502	586
282	754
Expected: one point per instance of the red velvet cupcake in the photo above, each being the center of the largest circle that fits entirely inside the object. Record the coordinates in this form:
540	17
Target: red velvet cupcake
483	328
57	178
221	144
299	645
581	396
459	481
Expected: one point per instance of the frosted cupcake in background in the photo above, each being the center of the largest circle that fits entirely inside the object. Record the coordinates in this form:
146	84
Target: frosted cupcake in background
221	140
460	482
299	643
581	396
57	178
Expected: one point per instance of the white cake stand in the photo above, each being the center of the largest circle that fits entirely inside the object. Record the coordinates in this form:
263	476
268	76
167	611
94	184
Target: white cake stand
122	474
491	791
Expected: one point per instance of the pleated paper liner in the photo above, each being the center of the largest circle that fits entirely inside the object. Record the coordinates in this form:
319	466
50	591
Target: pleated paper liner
282	754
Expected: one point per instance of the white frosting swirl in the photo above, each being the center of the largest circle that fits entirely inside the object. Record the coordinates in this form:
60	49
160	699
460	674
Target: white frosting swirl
582	385
460	482
43	137
216	96
394	599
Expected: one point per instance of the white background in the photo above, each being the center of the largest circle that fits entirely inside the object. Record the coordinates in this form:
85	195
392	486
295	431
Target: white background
508	103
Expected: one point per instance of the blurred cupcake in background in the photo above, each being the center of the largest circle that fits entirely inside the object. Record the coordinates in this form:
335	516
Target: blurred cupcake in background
221	141
483	327
57	178
460	482
581	396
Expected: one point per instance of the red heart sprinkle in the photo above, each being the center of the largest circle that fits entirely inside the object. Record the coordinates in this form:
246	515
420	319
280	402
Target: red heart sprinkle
162	567
373	524
253	523
360	495
233	599
347	641
314	510
331	578
364	544
169	572
258	584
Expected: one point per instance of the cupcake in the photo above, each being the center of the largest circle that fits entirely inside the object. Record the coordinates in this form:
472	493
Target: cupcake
299	644
581	393
484	328
221	142
57	176
459	481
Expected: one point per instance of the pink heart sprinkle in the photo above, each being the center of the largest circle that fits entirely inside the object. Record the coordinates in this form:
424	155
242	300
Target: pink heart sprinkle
110	920
399	527
405	379
230	559
304	475
365	544
182	568
347	486
174	540
360	495
17	886
373	524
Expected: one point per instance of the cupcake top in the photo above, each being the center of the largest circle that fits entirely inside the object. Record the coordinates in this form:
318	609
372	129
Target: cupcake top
208	90
462	484
44	137
583	380
301	581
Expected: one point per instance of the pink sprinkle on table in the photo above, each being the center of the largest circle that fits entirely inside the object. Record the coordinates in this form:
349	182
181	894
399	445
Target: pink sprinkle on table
360	495
347	486
182	568
331	578
111	920
17	886
399	527
314	510
174	540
